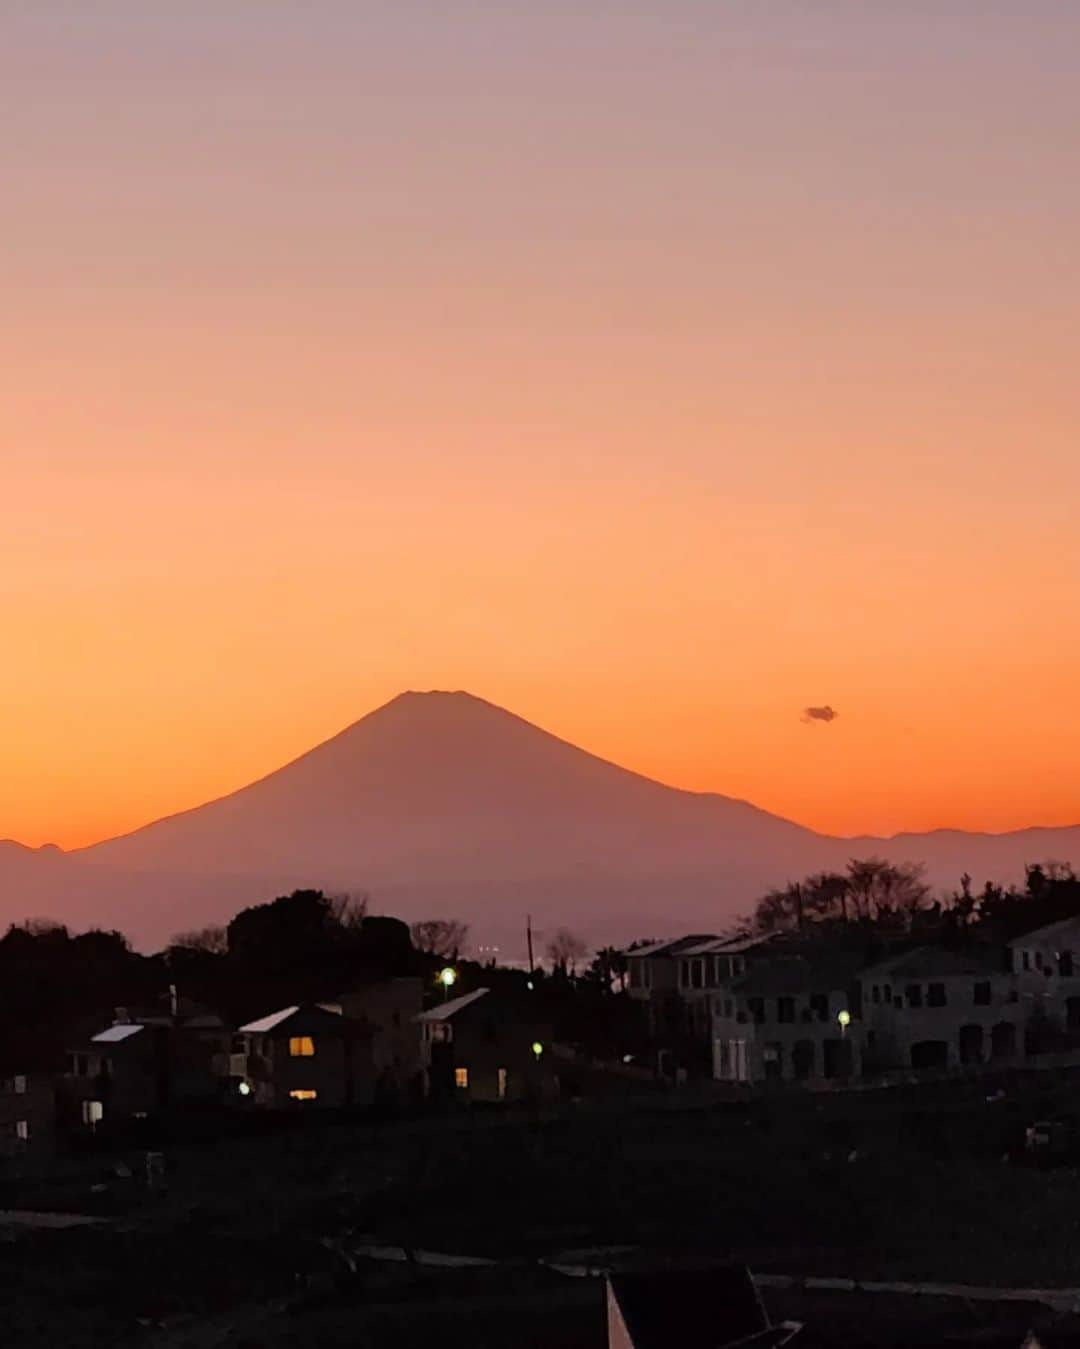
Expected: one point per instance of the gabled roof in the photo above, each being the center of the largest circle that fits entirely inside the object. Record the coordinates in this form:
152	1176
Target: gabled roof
792	974
113	1035
446	1010
1065	927
674	946
730	946
929	962
278	1020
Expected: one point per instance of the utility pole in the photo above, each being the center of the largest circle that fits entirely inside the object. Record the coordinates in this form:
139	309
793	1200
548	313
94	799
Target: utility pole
528	939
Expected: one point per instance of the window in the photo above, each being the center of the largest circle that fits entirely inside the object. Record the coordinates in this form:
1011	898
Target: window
935	995
913	995
303	1094
886	992
635	973
875	993
502	1084
396	1019
19	1085
93	1112
1038	960
22	1129
78	1065
981	996
697	974
1065	964
301	1047
684	973
785	1009
819	1006
1025	960
756	1008
727	1006
461	1079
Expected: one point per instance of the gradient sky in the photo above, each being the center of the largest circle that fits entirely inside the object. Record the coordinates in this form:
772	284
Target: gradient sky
652	369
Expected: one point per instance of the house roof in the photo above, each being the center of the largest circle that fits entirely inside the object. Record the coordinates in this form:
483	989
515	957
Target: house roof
693	1308
277	1020
673	946
783	974
1065	927
446	1010
928	962
115	1034
732	946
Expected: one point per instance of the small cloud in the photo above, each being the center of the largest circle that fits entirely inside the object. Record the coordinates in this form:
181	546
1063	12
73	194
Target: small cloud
825	714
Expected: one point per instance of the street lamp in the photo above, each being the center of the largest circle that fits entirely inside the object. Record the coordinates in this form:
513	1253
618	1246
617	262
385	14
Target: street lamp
448	978
537	1048
844	1018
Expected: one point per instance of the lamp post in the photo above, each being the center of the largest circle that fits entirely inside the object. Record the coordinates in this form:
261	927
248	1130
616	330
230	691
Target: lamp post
447	978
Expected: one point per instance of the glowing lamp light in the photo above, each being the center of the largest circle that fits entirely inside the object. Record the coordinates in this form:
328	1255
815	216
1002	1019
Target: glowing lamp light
244	1088
844	1018
537	1048
447	977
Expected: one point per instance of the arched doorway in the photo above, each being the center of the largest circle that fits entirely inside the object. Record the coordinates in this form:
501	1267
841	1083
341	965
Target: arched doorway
927	1055
971	1044
803	1054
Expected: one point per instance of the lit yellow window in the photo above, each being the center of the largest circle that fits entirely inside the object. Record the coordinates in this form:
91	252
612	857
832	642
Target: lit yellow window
304	1095
502	1084
301	1047
461	1078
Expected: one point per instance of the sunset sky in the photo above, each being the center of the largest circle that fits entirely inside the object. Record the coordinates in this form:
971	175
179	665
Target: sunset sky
654	370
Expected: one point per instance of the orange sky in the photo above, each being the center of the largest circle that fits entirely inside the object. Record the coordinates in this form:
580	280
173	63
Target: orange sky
652	370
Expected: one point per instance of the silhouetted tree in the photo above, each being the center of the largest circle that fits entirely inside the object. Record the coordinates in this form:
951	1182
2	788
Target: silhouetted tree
566	950
213	940
607	967
443	937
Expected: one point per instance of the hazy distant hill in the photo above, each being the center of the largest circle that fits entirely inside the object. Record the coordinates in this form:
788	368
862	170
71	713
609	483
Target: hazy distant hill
443	803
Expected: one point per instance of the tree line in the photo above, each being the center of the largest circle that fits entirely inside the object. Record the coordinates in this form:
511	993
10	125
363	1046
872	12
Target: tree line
876	898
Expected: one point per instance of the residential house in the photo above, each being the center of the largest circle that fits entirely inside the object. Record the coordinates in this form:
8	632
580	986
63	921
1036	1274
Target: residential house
117	1074
789	1018
145	1062
653	977
936	1008
1046	967
305	1055
485	1047
388	1011
27	1115
705	969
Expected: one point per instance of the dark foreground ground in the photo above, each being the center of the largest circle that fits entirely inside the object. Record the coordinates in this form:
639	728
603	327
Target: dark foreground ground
251	1241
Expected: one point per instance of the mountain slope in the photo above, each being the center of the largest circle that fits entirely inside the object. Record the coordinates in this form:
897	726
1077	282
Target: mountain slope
438	785
441	803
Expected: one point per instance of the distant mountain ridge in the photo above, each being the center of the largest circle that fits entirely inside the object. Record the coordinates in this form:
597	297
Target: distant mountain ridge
442	803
